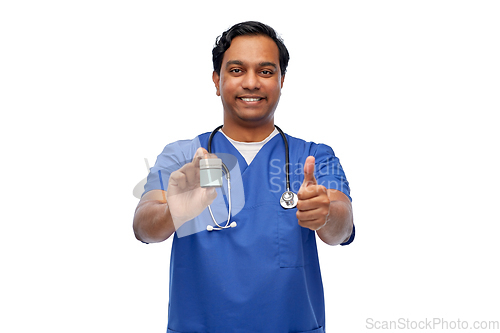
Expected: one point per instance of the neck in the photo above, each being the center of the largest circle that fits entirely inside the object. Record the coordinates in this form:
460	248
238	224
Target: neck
248	133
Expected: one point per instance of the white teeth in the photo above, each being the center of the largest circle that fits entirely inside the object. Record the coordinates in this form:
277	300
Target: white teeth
250	99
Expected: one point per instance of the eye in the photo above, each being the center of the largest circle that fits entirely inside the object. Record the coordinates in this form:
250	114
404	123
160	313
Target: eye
236	70
267	72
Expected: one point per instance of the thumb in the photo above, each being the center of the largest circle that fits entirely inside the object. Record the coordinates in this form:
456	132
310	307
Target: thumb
200	153
309	178
210	194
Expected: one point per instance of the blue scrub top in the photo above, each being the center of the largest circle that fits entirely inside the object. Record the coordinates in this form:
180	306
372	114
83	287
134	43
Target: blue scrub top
263	275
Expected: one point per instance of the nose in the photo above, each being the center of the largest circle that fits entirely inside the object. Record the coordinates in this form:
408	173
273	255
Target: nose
251	81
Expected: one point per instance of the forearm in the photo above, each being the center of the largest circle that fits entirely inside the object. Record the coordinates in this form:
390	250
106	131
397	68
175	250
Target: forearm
339	224
153	222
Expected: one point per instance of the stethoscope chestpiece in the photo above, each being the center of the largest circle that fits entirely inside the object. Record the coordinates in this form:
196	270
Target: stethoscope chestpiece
288	200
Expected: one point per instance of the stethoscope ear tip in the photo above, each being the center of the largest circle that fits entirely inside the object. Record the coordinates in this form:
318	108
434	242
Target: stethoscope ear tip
210	228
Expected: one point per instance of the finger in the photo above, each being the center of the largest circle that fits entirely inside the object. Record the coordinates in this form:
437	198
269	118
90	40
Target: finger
310	222
305	205
308	215
309	178
192	170
210	195
201	153
313	224
311	191
178	178
312	214
192	174
210	155
198	155
312	219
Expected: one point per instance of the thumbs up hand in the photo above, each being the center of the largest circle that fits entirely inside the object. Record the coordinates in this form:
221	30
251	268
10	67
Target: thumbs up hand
313	205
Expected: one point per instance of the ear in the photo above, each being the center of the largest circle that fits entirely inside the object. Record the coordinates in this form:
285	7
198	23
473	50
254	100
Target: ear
216	79
282	80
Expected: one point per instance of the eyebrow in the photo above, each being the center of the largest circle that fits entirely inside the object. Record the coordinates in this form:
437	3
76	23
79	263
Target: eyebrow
268	63
261	64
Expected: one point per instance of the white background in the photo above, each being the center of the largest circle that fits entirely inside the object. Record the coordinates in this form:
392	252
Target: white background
404	91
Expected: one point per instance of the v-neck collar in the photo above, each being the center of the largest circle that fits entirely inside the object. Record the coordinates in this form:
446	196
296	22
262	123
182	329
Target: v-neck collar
241	160
249	150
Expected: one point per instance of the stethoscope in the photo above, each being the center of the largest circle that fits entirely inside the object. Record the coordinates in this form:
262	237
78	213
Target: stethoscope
288	199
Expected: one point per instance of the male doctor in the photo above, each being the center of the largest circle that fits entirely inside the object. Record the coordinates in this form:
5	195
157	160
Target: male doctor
262	275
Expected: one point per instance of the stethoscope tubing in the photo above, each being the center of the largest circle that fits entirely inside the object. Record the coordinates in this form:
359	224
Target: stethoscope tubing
287	158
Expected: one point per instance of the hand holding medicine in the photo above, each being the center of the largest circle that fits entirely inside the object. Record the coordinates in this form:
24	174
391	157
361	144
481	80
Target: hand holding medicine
185	197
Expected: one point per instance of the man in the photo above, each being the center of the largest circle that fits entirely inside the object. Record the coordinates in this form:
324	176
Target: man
263	275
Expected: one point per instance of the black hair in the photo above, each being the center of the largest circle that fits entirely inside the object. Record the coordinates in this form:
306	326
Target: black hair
223	42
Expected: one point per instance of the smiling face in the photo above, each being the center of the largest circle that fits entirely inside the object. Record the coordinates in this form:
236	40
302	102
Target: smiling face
250	83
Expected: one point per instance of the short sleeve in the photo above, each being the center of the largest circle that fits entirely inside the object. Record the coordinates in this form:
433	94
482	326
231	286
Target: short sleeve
328	170
351	238
173	157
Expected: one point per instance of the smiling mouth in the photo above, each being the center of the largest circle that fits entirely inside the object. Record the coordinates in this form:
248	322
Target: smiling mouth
251	99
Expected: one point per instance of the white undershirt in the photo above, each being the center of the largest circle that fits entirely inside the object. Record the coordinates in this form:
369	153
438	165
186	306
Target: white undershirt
249	149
